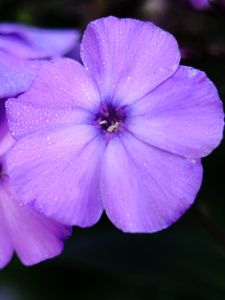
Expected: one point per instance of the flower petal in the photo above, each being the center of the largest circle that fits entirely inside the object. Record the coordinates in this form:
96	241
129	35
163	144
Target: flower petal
62	94
57	173
127	57
6	248
34	237
28	42
16	74
200	4
183	115
6	140
146	189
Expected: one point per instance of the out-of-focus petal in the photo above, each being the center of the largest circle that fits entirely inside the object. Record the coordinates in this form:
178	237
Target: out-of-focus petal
127	57
57	172
145	189
29	42
184	115
63	94
16	75
6	247
199	4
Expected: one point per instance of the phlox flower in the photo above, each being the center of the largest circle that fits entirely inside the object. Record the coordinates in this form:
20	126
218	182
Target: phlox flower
16	75
199	4
28	42
22	49
124	132
33	237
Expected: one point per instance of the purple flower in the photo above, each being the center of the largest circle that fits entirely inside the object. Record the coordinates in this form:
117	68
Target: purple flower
16	75
122	133
29	42
21	46
33	237
199	4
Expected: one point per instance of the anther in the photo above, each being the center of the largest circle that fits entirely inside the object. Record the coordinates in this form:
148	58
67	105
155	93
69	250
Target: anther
113	127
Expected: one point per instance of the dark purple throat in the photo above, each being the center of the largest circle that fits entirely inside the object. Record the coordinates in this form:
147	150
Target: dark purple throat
110	119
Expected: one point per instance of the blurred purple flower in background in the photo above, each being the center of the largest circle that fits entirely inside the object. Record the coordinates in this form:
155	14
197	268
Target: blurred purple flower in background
16	75
33	237
22	47
124	133
199	4
29	42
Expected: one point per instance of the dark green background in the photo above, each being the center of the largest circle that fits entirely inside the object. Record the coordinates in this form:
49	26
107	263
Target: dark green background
187	260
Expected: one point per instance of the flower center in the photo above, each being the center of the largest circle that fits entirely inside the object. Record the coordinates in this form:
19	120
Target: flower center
110	119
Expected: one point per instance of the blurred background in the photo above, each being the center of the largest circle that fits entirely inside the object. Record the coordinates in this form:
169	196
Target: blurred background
186	261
